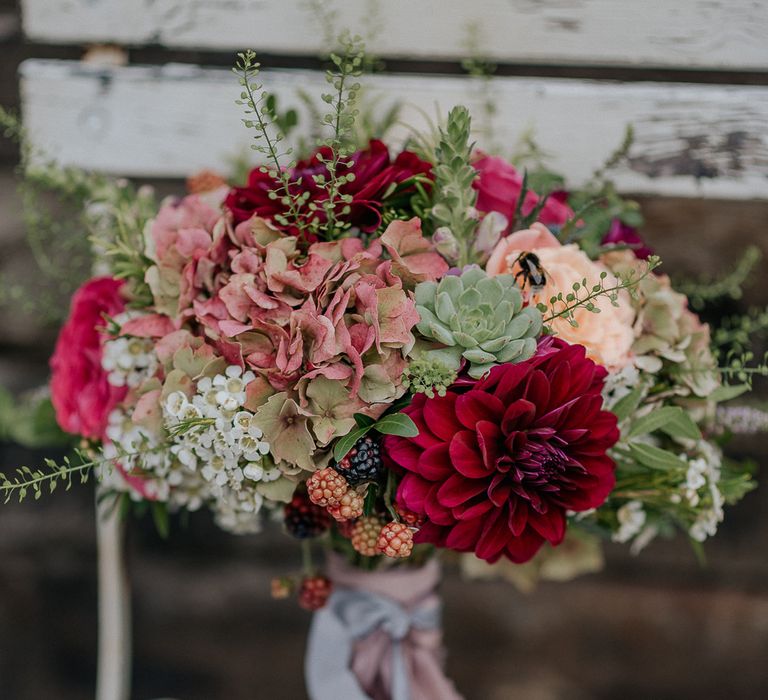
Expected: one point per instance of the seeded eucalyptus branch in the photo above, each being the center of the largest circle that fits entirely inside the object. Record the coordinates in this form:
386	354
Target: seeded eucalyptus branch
584	295
261	118
347	65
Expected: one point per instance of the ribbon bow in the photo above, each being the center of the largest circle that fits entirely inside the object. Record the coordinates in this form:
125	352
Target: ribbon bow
350	615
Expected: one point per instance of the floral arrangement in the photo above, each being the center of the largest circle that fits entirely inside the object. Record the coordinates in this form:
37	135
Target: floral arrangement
393	353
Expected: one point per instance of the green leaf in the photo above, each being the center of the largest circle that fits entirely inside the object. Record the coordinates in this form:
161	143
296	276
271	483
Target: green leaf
682	426
363	421
728	392
345	444
670	419
397	424
161	519
655	458
626	405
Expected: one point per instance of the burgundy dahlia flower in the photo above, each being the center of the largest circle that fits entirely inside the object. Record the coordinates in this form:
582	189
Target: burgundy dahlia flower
375	174
498	462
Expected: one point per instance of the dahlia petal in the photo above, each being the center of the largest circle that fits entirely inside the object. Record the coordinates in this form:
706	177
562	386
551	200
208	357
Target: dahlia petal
509	380
403	452
457	489
475	406
518	517
440	416
464	535
472	509
426	437
521	549
429	533
499	490
518	415
488	437
434	463
559	385
436	511
413	492
537	388
550	524
495	535
466	456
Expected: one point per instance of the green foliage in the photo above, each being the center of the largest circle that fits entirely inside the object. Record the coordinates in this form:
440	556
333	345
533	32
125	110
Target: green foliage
454	197
583	295
28	481
267	136
30	421
269	132
727	286
340	119
389	424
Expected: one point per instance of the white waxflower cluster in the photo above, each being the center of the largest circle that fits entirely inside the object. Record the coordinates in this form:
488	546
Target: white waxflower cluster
211	452
631	518
215	435
128	360
704	473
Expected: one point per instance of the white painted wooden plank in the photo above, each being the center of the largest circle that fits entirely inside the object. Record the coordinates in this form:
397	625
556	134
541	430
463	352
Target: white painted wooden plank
170	121
688	33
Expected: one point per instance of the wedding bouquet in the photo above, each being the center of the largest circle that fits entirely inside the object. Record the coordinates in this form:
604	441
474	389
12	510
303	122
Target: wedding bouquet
393	353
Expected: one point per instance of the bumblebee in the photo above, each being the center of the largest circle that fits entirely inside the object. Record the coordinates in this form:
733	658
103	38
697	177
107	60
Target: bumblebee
531	272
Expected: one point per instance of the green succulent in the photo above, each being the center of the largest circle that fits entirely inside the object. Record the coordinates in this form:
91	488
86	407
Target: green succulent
478	318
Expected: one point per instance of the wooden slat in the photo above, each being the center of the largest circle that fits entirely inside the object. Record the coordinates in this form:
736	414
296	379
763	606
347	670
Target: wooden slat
728	34
691	140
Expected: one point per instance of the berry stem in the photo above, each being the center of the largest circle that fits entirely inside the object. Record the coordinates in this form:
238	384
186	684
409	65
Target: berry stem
389	492
307	564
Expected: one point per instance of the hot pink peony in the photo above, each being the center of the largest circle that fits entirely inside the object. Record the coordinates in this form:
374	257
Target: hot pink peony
80	392
498	462
499	185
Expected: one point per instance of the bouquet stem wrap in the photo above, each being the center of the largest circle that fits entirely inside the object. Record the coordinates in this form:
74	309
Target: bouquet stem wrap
378	637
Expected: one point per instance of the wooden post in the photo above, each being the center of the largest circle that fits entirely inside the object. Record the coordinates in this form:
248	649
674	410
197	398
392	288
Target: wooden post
113	674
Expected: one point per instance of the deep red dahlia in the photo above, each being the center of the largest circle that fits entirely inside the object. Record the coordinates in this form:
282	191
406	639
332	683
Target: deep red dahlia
374	174
498	462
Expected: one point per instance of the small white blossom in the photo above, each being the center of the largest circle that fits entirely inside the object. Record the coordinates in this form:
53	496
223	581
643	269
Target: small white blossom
631	520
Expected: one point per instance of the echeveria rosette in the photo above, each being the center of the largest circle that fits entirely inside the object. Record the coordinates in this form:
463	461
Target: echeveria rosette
478	319
498	462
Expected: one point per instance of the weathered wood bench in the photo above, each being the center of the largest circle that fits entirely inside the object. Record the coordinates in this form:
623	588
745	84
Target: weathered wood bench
691	76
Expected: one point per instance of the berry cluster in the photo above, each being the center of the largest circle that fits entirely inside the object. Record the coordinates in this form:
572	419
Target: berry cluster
362	463
304	519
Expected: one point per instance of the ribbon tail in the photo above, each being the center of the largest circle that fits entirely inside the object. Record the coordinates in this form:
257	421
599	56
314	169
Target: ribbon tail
329	650
400	684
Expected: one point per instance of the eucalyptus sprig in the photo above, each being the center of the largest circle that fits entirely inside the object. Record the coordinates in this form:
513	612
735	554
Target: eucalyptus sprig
52	474
584	295
260	117
729	285
347	65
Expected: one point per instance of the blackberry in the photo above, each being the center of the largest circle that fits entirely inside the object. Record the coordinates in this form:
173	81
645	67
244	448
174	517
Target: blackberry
303	519
362	463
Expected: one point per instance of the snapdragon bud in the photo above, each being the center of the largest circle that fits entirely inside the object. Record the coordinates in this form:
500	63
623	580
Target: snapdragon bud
446	244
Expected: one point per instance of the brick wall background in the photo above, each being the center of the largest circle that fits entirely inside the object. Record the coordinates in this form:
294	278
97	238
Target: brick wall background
656	626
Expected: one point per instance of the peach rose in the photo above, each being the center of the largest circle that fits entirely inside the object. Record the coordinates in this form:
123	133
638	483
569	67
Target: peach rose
608	335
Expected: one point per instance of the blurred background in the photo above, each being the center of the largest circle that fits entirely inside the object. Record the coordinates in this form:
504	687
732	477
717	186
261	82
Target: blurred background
660	625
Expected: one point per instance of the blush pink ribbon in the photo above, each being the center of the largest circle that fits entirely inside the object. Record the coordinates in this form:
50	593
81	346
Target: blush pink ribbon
378	637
